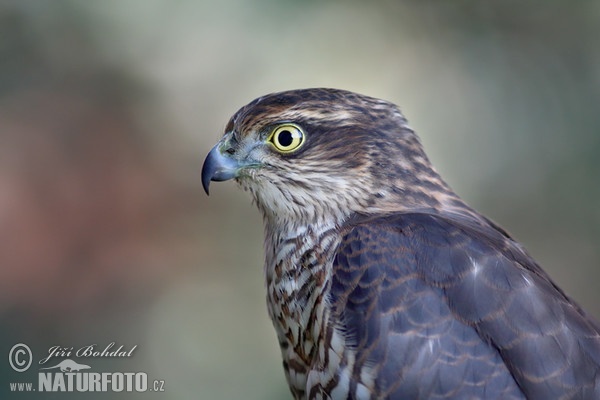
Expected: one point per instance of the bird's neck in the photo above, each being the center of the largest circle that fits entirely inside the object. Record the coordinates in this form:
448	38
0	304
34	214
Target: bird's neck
297	250
298	268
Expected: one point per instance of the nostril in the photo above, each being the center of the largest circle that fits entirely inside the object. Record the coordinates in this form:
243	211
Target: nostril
230	151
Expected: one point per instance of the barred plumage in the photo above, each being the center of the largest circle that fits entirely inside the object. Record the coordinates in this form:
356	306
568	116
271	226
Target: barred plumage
381	282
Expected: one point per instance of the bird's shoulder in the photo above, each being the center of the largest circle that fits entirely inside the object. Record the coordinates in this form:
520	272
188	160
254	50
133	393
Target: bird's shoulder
441	248
449	277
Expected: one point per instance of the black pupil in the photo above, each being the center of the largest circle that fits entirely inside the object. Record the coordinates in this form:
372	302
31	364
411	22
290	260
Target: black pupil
285	138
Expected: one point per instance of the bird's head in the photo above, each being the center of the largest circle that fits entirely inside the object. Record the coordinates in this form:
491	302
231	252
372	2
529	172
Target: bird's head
323	154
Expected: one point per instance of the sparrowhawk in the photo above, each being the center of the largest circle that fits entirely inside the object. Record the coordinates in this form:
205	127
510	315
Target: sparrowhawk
382	283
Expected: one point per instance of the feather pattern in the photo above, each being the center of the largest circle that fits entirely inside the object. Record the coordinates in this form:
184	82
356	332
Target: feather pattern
448	309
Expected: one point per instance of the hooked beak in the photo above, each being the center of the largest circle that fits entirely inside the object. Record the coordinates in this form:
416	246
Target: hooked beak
218	167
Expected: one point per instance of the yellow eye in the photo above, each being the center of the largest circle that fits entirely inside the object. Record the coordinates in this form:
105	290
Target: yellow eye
287	138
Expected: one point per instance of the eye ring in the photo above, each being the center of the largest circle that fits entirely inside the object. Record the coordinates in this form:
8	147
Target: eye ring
287	138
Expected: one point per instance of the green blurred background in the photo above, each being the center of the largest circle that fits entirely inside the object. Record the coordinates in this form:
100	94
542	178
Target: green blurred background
107	109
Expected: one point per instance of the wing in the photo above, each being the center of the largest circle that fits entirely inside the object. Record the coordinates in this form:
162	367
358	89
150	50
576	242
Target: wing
434	308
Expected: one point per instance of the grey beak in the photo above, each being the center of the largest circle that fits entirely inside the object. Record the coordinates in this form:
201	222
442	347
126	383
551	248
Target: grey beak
218	167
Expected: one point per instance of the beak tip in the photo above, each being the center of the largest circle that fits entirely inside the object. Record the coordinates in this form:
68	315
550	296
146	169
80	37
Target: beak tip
206	177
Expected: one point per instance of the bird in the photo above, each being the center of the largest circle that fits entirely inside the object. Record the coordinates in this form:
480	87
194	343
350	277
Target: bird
383	283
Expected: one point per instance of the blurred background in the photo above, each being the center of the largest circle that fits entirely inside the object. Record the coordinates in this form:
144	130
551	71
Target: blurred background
108	108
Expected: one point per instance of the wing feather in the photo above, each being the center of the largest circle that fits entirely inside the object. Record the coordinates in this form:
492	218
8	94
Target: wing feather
439	308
